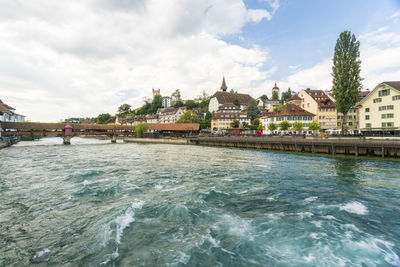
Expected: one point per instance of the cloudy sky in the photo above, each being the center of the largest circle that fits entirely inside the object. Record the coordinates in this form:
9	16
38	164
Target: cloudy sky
62	59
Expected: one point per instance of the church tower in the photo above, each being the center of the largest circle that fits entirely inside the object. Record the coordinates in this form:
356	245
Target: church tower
223	86
276	89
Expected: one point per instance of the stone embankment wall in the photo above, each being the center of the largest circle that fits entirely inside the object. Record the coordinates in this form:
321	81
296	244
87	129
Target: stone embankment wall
332	146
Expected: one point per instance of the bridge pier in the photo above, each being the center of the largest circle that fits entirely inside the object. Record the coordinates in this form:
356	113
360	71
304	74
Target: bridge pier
114	139
67	134
67	139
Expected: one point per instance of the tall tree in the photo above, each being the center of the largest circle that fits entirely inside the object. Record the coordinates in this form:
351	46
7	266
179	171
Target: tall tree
252	109
124	109
346	74
191	104
284	125
156	104
286	95
176	95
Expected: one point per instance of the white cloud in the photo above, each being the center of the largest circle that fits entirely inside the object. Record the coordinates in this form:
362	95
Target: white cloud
60	59
380	56
395	17
293	67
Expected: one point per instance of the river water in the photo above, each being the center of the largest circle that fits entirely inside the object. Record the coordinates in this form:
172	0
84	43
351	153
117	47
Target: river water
95	203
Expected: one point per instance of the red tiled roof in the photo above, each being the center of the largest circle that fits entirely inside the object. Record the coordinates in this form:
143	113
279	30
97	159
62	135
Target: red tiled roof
288	110
173	126
321	98
295	97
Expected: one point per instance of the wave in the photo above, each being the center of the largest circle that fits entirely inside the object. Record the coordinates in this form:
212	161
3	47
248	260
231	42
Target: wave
354	207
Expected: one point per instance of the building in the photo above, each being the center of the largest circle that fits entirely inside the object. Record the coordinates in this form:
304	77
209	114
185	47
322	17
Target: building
7	114
275	90
319	103
226	115
131	120
156	92
267	104
295	100
223	97
170	115
290	113
379	111
166	101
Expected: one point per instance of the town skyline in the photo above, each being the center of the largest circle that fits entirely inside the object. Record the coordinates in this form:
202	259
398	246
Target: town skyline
54	64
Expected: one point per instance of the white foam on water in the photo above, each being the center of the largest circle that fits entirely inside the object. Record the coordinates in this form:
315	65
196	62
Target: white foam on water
329	217
173	189
271	198
124	220
158	187
310	199
86	182
317	223
227	180
305	214
309	258
355	207
41	253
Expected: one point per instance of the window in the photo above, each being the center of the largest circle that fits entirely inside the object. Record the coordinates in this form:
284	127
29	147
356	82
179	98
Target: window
366	117
350	117
368	125
377	100
383	116
389	107
384	92
339	124
396	97
350	123
366	109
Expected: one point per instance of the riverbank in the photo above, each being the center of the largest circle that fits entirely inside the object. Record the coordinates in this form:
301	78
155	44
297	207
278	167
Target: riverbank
331	146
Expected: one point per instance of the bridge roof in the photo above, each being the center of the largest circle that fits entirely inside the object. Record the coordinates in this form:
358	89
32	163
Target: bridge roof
173	126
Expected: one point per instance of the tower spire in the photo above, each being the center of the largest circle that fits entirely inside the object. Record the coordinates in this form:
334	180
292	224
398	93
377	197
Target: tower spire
223	86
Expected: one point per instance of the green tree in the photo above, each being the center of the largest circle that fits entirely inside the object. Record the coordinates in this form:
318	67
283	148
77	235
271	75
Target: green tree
176	95
204	103
277	108
233	91
104	118
188	117
346	74
235	124
140	128
246	125
314	126
236	102
124	110
252	109
275	95
260	127
298	126
255	122
264	97
272	126
191	104
155	104
286	95
284	125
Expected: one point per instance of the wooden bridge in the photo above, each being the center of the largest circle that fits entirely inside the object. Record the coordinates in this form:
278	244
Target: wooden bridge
65	130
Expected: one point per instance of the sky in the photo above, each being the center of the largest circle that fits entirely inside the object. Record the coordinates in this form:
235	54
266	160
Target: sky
61	59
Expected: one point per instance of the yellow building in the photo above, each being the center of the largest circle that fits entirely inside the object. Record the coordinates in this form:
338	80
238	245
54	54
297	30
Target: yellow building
379	111
226	115
319	103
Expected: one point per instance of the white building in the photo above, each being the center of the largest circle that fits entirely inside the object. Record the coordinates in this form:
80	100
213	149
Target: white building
166	101
290	113
379	111
223	97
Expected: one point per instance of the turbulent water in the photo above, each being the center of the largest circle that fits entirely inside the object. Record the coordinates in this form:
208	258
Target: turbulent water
95	203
